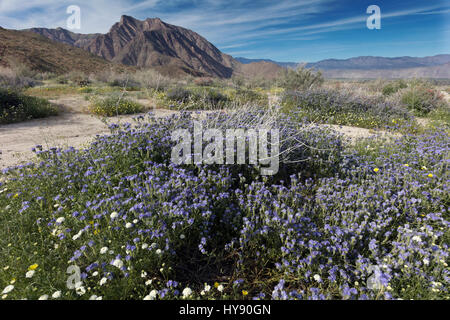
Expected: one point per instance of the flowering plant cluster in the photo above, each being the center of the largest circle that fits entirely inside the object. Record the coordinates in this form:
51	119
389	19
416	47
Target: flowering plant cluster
139	227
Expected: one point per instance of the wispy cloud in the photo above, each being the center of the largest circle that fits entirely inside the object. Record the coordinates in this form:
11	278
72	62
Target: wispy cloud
243	25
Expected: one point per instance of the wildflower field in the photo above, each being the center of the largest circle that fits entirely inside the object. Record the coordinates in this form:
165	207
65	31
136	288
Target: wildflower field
117	219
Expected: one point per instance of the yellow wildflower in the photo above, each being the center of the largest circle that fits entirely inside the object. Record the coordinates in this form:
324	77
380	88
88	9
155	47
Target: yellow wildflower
376	169
430	175
216	285
33	266
244	292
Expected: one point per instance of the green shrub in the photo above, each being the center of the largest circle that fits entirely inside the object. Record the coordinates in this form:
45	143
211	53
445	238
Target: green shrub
244	96
112	106
178	94
299	79
422	100
394	87
16	107
200	98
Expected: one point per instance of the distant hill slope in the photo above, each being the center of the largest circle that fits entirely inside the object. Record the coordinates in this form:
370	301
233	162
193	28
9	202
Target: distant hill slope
42	54
65	36
281	64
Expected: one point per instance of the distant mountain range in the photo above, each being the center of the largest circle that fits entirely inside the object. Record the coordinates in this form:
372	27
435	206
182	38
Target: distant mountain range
281	64
368	66
175	51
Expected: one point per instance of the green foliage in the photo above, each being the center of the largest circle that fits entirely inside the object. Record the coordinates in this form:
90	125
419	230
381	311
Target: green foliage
197	98
422	99
393	87
113	105
300	79
16	107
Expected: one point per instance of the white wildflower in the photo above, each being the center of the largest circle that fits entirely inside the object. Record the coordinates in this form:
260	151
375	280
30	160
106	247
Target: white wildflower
60	220
8	289
152	295
118	263
187	292
29	274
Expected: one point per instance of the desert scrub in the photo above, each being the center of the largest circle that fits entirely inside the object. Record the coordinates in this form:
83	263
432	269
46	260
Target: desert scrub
16	107
192	98
247	96
299	79
52	91
114	105
422	99
13	80
393	87
342	108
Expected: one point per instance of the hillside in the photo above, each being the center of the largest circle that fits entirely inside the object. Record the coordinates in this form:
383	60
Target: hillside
42	54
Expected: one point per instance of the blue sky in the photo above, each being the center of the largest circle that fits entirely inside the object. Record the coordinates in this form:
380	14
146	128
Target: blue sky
283	30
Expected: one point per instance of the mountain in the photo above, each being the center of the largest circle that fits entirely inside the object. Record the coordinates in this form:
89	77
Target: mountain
151	43
379	63
42	54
